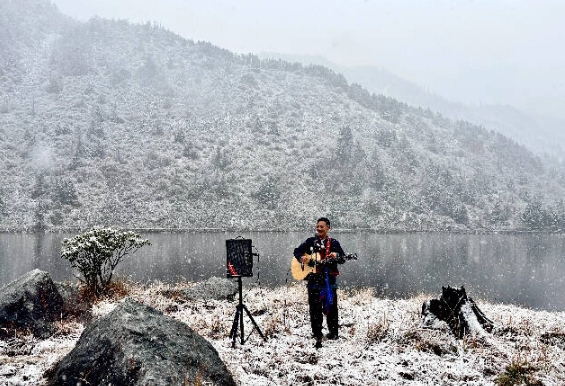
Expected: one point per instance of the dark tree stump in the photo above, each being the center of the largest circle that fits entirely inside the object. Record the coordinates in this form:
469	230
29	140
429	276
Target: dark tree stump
459	312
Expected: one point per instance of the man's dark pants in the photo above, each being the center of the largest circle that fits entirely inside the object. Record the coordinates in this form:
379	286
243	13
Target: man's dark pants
317	315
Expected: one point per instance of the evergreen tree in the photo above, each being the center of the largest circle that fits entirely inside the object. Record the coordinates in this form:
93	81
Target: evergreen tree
39	187
64	192
344	146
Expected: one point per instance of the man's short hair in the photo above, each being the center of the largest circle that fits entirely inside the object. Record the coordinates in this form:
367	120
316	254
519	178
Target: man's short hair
324	219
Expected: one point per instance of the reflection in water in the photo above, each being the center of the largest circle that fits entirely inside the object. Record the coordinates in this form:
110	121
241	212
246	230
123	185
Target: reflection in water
520	269
38	248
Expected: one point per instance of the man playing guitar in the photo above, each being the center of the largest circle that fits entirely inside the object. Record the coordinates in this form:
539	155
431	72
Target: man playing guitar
322	296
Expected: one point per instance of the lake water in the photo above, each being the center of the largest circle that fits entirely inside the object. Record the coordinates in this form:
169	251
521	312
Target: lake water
522	269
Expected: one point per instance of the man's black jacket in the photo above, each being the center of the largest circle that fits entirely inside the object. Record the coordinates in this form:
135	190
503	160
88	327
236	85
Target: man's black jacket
313	245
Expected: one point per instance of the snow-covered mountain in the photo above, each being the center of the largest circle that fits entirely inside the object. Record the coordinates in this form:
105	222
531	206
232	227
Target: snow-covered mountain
109	123
543	135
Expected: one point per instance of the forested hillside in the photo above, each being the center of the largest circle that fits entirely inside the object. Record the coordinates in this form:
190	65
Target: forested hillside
109	123
542	135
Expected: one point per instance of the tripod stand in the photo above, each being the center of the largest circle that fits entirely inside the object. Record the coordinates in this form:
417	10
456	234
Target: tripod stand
239	318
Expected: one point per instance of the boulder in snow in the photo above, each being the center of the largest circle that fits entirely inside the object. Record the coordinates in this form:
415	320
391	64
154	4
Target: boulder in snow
30	302
138	345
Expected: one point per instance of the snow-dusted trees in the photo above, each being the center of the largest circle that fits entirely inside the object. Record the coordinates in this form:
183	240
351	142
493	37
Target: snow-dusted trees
220	158
64	192
71	55
269	193
538	216
344	146
39	186
96	253
535	216
3	209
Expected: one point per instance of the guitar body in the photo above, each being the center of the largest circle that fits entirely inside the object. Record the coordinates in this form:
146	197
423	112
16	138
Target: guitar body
299	270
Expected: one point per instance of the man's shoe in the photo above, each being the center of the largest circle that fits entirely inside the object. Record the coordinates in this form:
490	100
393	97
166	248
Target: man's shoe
318	342
332	336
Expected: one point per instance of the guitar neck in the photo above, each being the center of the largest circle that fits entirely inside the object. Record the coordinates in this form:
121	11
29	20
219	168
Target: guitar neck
351	256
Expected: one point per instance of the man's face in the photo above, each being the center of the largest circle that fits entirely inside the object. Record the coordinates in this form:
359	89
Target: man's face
322	229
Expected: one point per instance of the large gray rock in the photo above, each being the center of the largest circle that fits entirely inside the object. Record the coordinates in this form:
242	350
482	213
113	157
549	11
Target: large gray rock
30	302
138	345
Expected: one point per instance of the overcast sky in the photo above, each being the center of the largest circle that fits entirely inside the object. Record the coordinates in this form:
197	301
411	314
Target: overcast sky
481	51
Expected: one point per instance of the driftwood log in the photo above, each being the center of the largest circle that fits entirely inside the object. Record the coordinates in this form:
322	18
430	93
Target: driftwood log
461	313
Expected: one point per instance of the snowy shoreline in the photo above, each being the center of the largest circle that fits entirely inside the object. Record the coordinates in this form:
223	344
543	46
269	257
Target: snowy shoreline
380	341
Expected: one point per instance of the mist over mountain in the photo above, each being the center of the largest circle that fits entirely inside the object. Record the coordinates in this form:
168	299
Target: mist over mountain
111	123
543	135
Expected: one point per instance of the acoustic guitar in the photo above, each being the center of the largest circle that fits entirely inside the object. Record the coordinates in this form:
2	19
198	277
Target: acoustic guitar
301	270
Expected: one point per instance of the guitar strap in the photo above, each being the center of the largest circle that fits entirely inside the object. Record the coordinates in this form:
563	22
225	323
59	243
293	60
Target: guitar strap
326	295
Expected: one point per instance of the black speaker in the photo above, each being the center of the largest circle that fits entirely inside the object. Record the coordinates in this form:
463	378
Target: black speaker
239	258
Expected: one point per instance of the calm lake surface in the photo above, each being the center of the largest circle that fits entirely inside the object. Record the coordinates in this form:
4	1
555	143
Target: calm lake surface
522	269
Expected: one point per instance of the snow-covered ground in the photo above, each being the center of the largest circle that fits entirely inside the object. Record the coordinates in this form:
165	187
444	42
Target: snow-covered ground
380	342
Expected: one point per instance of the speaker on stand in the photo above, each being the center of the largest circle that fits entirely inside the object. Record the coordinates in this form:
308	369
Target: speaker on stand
239	264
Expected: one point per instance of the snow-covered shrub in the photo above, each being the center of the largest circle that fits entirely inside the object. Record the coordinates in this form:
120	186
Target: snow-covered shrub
96	253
